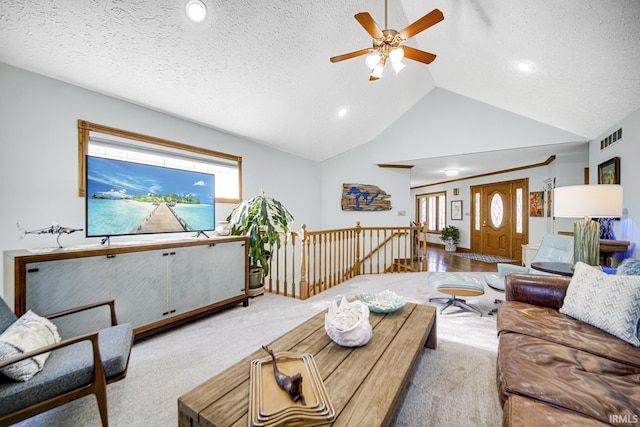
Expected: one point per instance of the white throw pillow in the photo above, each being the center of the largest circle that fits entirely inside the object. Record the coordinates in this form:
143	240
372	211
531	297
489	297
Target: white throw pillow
607	301
28	333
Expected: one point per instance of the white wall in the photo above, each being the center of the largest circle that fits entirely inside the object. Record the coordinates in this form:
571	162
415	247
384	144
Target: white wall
356	167
39	157
628	149
567	170
444	123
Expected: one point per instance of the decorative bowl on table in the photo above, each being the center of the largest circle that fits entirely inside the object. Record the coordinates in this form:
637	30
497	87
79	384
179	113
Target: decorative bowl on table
347	323
383	302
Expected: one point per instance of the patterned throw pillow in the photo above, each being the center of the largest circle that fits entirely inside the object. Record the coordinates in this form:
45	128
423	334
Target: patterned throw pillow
28	333
629	267
608	302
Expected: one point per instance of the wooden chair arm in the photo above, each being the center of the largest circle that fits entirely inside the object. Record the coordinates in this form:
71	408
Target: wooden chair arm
98	369
110	303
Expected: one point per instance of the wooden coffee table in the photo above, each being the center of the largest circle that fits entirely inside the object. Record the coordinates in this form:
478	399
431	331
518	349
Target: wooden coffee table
364	383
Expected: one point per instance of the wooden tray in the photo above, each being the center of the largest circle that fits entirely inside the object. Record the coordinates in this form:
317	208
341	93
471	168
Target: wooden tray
269	405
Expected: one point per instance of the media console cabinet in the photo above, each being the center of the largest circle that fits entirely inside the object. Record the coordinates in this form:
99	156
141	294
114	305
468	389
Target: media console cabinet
155	285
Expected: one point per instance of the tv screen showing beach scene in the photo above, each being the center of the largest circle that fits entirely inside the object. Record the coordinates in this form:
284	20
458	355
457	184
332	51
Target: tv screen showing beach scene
124	198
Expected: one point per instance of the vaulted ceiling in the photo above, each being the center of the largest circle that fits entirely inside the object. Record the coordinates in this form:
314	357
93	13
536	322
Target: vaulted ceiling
261	70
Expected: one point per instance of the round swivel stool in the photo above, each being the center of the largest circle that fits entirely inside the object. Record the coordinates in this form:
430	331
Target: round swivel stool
456	285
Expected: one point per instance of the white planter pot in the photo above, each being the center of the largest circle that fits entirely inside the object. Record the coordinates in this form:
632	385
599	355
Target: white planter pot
449	246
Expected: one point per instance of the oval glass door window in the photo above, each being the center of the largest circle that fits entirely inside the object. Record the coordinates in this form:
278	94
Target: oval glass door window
497	210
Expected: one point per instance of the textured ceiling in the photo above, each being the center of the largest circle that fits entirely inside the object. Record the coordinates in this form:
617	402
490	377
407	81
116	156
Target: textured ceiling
261	69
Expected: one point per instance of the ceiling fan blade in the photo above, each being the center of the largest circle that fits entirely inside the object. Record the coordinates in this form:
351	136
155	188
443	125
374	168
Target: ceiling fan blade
418	55
373	79
369	24
350	55
422	24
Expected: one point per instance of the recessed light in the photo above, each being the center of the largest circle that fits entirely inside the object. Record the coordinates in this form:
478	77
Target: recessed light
525	67
451	172
342	112
196	11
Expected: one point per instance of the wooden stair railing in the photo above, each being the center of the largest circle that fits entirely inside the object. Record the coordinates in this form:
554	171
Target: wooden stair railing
309	262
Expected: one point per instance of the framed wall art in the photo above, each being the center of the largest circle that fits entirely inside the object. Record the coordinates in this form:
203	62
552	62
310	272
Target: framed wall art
549	203
456	210
609	171
364	197
536	203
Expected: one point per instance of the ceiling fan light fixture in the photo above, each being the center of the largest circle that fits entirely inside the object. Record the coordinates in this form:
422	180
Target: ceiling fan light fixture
387	43
377	71
451	172
372	60
196	11
398	66
397	54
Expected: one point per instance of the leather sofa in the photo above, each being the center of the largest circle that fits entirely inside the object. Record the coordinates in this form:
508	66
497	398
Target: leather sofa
555	370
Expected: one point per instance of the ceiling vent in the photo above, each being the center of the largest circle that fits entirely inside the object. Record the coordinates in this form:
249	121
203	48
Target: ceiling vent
611	139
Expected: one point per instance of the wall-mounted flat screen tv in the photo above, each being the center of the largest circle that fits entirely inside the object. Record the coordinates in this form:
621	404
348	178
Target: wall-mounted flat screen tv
126	198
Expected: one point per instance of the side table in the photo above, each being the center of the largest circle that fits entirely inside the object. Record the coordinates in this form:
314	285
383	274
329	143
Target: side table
561	268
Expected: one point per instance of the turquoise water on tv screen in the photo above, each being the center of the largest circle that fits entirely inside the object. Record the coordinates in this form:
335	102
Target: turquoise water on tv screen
113	217
199	217
116	217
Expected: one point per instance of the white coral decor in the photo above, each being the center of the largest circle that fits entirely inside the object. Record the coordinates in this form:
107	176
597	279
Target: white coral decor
348	324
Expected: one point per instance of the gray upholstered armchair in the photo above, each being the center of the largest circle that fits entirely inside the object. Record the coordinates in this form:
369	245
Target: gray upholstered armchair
76	367
553	248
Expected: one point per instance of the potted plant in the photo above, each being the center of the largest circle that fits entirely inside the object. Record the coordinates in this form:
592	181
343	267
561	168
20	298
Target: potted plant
259	218
450	235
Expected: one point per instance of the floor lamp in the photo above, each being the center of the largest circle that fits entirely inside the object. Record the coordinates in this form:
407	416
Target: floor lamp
587	201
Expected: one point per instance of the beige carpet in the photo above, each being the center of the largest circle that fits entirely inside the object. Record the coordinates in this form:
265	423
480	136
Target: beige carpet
453	385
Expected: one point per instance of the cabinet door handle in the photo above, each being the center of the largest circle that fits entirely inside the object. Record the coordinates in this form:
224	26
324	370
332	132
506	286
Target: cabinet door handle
172	253
165	254
33	270
110	256
172	311
165	313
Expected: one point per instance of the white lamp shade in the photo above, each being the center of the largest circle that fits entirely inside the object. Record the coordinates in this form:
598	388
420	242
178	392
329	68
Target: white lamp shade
398	66
377	71
372	60
594	201
396	54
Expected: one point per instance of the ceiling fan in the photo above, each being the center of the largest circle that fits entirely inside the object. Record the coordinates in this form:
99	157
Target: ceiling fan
387	43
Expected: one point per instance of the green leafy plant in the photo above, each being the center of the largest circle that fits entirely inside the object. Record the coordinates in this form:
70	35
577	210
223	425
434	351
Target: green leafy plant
450	233
260	219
